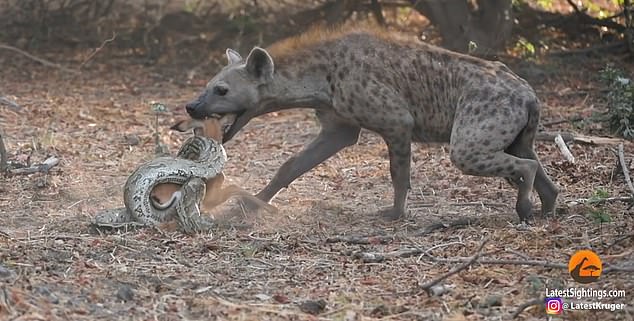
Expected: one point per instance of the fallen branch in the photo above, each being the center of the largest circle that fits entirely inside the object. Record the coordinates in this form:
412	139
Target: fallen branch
363	240
559	141
587	50
103	44
545	264
376	257
584	17
482	204
527	305
40	60
569	137
561	121
12	104
619	240
428	285
625	169
616	268
436	226
43	168
600	200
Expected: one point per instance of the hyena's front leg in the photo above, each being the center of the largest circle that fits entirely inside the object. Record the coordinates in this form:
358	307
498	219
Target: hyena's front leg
399	150
335	134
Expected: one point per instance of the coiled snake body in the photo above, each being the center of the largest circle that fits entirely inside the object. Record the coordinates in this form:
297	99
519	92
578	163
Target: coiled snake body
198	159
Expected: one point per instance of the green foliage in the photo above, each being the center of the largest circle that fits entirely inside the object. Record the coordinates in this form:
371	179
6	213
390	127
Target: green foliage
546	4
243	23
525	48
158	107
600	216
160	149
599	196
600	193
620	99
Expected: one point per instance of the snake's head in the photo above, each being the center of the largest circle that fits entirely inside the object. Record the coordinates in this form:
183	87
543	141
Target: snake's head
240	89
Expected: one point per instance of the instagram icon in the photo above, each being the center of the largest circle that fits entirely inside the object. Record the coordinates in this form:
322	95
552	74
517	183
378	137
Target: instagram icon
554	306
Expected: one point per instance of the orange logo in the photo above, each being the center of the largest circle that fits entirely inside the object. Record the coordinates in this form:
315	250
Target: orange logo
585	266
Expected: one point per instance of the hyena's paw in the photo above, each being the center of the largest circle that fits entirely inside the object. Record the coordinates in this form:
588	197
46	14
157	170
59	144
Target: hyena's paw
392	214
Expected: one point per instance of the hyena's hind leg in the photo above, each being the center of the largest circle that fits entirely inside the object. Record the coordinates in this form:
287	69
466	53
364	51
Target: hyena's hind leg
522	147
500	164
478	144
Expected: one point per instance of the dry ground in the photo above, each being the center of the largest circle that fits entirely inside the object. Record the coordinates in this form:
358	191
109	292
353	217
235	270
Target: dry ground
54	267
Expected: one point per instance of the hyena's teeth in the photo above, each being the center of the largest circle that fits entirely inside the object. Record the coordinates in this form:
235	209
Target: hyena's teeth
216	116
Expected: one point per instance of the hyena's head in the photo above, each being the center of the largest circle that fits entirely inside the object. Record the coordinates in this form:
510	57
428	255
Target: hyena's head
236	89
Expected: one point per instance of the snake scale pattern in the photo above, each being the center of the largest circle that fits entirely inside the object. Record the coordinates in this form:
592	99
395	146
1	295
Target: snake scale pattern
198	159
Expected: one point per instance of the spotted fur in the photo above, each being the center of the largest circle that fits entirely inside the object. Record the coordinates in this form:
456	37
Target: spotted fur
404	90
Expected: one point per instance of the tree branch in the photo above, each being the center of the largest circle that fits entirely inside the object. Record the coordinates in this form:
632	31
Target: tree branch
377	11
626	171
595	21
40	60
12	104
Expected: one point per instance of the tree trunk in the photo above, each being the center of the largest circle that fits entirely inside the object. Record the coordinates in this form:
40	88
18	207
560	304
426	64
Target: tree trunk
487	24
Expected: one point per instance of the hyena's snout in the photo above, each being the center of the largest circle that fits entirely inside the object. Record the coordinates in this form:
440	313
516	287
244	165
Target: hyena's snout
195	108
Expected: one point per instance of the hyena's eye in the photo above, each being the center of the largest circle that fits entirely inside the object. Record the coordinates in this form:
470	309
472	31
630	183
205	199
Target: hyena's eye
220	90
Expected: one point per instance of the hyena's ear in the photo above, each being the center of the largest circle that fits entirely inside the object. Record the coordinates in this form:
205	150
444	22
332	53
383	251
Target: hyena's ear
233	56
260	64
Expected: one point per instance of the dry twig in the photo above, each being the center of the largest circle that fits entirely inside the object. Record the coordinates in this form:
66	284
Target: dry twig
364	240
427	286
592	49
600	200
11	103
44	167
625	169
545	264
456	223
103	44
559	141
561	121
38	59
620	239
582	139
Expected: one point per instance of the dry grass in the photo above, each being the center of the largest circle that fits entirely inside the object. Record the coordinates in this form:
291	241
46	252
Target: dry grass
53	267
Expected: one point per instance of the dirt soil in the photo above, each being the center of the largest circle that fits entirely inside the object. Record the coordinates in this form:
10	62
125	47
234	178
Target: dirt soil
305	263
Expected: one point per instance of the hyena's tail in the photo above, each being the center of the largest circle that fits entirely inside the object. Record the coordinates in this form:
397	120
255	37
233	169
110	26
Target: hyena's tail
522	146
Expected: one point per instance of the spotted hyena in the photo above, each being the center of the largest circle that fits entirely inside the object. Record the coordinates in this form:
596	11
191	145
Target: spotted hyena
402	89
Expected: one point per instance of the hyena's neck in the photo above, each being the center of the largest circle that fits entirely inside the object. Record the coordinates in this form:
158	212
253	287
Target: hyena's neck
298	83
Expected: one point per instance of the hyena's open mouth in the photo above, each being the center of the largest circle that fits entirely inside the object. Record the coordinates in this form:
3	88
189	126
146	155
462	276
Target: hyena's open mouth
233	122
